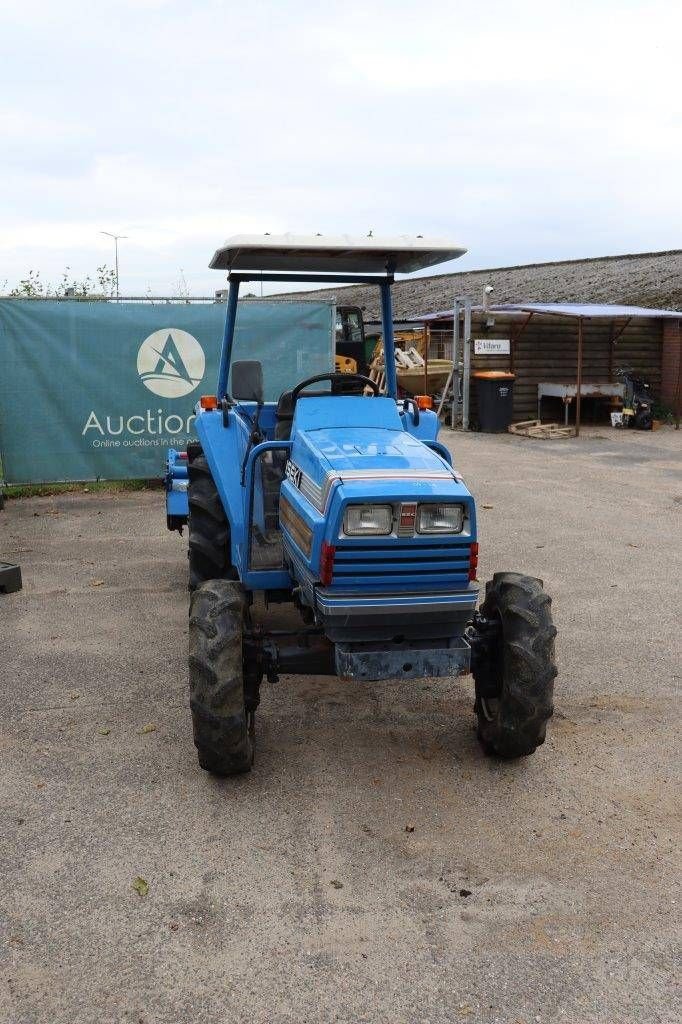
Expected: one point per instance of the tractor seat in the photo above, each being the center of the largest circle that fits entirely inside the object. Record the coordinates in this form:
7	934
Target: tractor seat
284	414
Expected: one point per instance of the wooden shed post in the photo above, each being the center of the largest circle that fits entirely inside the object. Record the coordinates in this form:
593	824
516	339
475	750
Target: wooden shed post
579	380
612	342
678	389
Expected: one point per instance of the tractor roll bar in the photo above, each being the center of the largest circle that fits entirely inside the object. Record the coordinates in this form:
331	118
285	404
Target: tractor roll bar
228	336
383	281
389	340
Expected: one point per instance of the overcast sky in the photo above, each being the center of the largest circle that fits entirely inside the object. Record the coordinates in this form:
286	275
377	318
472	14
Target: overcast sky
526	131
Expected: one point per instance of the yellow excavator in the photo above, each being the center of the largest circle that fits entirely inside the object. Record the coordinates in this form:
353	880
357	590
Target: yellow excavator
350	340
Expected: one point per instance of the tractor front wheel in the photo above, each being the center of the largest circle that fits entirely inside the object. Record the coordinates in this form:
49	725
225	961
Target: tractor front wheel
223	728
513	665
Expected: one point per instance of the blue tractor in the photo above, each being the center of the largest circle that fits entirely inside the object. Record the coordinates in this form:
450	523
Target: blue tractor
339	501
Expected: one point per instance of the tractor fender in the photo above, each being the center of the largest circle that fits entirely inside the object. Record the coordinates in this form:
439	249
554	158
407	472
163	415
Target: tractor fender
225	449
426	429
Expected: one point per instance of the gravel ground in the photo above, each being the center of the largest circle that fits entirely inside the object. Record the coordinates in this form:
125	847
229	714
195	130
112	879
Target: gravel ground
539	891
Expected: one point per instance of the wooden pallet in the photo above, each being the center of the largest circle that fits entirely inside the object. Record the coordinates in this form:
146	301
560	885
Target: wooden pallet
535	428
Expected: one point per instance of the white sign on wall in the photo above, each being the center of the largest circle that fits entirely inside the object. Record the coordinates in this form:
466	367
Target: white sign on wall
492	346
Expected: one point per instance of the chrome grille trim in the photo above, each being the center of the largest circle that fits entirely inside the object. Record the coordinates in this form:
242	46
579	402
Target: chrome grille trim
312	491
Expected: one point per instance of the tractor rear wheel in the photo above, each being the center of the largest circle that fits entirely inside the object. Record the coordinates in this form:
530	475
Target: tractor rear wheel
223	729
513	665
209	529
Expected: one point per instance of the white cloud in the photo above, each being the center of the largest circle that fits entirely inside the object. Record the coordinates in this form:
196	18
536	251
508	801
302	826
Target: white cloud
528	131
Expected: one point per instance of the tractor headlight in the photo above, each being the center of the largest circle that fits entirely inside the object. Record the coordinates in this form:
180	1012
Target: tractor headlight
368	520
440	518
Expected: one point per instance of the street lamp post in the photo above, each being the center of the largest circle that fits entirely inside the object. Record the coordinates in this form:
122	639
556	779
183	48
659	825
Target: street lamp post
115	238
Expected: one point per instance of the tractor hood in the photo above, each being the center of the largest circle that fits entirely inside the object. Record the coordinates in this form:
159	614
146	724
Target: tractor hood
357	448
402	580
376	464
339	435
353	439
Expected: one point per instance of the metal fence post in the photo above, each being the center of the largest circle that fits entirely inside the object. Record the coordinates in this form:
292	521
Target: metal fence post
467	363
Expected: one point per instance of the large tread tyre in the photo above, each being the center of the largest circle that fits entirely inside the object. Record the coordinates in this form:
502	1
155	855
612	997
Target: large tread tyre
209	529
515	677
216	678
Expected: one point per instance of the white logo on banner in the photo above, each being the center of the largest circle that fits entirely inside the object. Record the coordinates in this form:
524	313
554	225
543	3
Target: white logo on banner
171	363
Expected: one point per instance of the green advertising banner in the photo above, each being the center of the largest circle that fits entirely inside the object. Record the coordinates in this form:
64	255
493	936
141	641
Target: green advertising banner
99	390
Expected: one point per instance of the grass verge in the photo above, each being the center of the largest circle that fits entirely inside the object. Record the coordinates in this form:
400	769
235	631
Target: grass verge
47	490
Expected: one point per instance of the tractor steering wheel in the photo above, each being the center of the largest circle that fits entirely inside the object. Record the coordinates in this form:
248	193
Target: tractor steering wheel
334	378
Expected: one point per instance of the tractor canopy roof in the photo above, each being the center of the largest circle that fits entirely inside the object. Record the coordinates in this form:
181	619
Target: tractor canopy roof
402	254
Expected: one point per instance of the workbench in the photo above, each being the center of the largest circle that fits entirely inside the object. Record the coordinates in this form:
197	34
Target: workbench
567	392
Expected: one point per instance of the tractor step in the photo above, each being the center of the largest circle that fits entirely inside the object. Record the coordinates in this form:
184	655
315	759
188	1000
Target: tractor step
10	578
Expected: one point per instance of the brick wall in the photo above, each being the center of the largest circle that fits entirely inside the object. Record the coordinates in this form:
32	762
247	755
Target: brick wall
671	368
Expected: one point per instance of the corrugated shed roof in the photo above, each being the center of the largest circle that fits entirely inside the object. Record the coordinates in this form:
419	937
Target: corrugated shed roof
640	279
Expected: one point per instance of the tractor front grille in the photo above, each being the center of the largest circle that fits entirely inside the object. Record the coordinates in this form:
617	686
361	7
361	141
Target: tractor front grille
431	565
